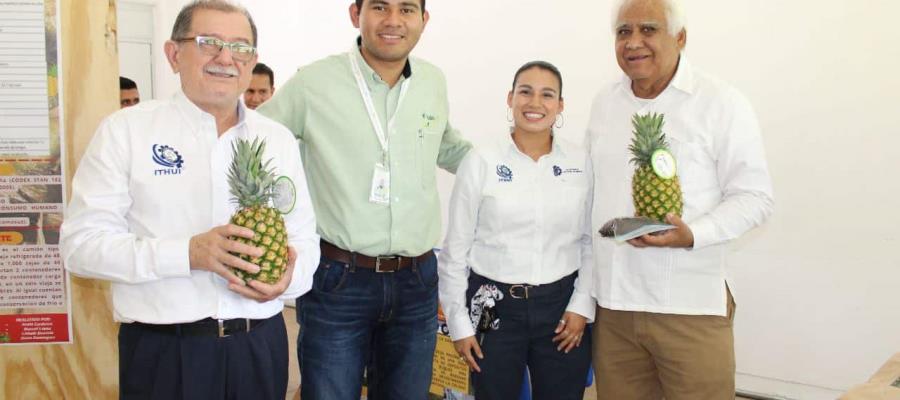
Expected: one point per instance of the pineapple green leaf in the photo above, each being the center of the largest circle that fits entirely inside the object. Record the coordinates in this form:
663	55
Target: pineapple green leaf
250	180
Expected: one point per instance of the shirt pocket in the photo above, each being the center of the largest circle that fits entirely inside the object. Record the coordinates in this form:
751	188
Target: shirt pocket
501	207
694	165
568	210
697	175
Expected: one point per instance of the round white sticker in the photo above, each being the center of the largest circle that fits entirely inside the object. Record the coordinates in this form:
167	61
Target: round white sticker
663	164
285	194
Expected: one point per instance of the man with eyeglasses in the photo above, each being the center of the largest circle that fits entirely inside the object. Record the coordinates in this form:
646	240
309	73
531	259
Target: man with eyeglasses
150	211
373	126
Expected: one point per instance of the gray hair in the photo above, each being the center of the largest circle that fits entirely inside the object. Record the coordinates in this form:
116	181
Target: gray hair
676	19
186	16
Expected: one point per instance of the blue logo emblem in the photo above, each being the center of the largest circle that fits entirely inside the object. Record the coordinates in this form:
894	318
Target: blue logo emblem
169	158
557	171
504	173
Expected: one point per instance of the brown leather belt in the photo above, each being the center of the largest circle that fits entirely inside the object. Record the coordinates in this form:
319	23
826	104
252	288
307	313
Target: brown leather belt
379	264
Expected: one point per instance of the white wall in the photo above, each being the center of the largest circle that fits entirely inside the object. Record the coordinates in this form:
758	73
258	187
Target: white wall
137	50
816	286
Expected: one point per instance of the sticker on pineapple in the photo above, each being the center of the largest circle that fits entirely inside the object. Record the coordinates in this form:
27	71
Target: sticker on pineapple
663	163
284	194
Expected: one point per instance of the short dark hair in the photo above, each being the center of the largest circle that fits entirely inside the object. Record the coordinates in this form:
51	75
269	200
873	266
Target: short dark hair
359	4
540	65
125	83
186	16
263	69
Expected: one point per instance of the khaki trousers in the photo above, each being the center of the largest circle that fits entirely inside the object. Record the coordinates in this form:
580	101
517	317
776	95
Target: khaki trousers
648	356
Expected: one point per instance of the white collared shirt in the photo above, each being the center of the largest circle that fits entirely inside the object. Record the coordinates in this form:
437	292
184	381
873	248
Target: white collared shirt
714	135
517	221
155	175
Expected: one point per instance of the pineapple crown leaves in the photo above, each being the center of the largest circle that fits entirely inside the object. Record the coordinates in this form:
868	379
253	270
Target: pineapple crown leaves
648	137
250	179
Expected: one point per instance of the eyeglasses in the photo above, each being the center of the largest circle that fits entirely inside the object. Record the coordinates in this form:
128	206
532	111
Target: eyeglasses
213	46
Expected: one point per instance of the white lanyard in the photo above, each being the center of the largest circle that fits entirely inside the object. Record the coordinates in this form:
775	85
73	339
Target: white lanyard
370	105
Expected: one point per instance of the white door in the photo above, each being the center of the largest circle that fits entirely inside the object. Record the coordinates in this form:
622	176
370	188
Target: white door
135	29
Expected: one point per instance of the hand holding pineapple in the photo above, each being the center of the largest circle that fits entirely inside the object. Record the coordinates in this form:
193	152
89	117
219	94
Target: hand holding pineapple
655	187
251	252
253	185
215	251
263	292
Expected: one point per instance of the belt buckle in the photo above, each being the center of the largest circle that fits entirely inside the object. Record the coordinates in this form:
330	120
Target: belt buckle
513	288
221	323
221	328
378	264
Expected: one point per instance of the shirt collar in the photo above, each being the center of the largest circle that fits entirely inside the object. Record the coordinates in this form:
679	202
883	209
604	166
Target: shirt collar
683	79
197	118
556	148
371	76
684	76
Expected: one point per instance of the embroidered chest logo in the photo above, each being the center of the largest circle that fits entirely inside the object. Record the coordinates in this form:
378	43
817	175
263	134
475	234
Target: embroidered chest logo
558	171
169	158
427	119
504	173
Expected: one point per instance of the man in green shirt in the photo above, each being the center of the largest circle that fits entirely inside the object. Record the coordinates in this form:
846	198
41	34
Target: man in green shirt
372	125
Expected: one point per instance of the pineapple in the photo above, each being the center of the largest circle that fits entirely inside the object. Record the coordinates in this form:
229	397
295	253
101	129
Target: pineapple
252	185
655	189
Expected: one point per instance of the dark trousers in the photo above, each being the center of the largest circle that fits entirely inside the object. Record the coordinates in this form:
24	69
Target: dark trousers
355	319
524	338
246	365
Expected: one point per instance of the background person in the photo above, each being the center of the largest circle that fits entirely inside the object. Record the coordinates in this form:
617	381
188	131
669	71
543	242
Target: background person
262	86
128	93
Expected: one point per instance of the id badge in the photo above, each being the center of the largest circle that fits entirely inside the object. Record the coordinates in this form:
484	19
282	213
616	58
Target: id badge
381	185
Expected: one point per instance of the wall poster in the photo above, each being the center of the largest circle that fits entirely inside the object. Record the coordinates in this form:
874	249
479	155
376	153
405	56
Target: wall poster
34	287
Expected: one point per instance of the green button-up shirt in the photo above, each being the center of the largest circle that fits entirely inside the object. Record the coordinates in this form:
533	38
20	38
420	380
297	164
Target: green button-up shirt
322	105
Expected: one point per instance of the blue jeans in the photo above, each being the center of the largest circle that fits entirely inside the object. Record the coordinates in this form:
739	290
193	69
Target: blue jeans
356	319
525	338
